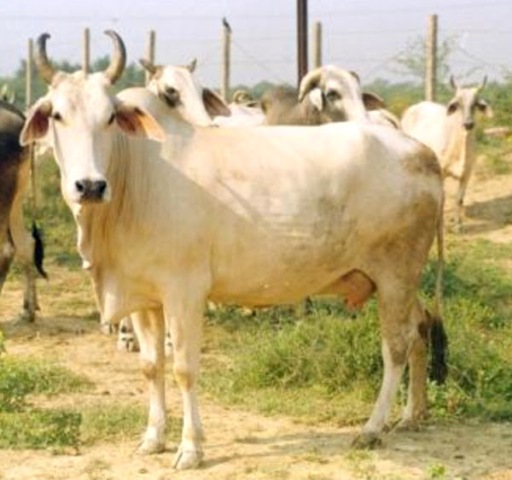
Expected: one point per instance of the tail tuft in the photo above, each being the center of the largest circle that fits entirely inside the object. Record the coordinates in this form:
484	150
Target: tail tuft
439	346
38	251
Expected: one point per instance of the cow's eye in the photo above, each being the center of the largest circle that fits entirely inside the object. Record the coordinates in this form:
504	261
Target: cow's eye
57	117
111	119
332	95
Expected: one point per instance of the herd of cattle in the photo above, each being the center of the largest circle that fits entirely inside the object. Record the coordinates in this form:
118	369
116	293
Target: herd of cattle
180	199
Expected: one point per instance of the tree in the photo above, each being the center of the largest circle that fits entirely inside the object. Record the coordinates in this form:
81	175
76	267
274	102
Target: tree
412	61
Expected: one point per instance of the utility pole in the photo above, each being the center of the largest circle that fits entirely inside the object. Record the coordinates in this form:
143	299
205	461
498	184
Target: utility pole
302	39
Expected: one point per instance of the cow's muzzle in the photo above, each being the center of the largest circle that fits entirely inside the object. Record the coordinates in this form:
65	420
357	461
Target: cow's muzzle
91	190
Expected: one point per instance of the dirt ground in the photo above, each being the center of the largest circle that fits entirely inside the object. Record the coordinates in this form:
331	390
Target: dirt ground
242	445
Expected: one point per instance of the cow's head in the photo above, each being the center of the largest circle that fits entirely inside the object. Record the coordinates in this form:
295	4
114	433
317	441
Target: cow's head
337	92
78	118
182	93
466	101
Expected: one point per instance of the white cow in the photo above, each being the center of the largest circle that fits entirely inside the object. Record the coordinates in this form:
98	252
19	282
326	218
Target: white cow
449	131
179	89
251	216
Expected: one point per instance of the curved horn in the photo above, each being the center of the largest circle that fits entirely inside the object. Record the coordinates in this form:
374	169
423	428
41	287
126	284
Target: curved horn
44	67
309	82
150	67
118	61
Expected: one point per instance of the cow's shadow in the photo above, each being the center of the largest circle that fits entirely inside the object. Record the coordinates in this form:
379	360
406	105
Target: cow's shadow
487	216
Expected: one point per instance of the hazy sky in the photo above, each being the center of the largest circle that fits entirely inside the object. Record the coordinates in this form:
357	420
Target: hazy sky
362	35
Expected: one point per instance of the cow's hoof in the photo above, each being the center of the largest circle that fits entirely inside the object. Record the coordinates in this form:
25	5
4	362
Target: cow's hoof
408	425
367	440
187	459
26	316
150	447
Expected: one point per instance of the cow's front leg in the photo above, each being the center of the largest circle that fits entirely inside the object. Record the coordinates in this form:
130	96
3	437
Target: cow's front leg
150	330
185	320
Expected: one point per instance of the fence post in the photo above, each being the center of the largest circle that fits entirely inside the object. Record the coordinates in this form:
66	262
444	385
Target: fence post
150	52
431	59
226	58
28	75
86	51
317	44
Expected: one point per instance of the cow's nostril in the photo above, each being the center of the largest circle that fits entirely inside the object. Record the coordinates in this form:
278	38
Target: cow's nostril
80	186
101	186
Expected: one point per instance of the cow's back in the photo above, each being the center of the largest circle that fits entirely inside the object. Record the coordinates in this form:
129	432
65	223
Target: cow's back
426	121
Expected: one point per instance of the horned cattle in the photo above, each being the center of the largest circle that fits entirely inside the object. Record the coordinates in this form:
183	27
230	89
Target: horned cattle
449	131
326	94
251	216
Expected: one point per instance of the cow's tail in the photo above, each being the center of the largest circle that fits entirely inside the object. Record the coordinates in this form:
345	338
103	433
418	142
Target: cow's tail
38	250
438	338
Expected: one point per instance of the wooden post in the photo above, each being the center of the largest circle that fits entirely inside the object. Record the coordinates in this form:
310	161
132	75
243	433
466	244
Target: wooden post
431	59
302	39
150	52
28	74
317	44
86	51
31	150
226	60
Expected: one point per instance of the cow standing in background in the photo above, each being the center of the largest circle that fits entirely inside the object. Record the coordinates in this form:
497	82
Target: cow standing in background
14	238
449	131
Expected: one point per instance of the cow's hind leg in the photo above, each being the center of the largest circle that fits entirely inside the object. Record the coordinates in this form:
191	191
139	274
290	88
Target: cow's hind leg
416	407
24	244
149	328
398	332
6	256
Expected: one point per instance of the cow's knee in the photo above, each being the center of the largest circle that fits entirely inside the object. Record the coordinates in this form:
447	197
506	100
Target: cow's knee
185	377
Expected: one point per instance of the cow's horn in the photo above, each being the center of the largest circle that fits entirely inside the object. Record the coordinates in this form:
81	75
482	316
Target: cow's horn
44	67
148	66
483	83
118	60
309	82
192	65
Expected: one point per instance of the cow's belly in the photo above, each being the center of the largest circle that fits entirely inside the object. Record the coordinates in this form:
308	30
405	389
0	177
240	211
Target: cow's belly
279	270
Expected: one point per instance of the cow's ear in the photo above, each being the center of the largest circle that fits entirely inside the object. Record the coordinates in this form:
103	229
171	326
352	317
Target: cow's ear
484	107
37	122
214	104
372	101
135	121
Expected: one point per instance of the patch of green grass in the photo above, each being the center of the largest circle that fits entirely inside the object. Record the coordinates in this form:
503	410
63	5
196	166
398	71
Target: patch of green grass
120	422
21	377
40	429
22	425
